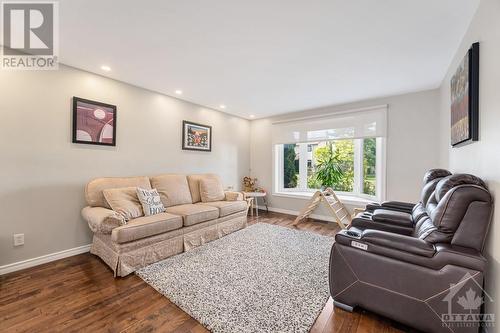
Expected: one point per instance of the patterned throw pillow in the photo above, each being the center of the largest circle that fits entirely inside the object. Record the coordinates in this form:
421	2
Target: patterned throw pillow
150	200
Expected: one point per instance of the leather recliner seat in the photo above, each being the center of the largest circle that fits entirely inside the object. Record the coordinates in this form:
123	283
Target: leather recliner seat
406	273
397	216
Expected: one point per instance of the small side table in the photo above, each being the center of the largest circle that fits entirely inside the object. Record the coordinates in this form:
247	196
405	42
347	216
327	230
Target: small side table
255	202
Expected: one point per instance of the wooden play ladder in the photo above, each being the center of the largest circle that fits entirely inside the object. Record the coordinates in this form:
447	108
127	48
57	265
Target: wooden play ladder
335	206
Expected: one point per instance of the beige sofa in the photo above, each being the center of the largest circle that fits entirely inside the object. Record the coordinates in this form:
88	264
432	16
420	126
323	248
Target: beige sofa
186	224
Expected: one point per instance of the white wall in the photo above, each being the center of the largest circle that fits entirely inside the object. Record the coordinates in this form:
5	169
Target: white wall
411	145
43	174
480	158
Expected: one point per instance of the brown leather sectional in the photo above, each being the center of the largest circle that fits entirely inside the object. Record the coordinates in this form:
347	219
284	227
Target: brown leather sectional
413	262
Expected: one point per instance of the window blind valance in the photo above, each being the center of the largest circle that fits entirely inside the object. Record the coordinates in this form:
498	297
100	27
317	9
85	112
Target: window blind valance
363	123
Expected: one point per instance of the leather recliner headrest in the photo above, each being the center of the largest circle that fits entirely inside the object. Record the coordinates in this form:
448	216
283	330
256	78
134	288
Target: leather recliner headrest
427	190
455	180
435	173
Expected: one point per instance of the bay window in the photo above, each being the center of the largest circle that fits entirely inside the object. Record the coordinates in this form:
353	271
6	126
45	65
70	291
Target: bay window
344	151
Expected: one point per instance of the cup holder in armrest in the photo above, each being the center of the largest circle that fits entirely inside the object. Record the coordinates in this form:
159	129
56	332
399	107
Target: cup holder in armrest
351	233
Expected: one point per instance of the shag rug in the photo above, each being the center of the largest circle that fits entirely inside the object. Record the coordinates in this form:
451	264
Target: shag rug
263	278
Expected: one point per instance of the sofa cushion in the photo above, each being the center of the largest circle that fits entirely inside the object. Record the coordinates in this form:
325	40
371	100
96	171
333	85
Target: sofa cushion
194	214
124	201
146	226
194	184
173	189
211	190
93	190
227	207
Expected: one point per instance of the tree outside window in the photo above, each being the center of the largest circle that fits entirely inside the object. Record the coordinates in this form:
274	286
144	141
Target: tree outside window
369	166
290	166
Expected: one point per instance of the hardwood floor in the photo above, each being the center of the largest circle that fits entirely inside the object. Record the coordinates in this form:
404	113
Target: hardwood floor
79	294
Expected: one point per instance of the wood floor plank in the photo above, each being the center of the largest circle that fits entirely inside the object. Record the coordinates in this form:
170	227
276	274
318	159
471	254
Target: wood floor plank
80	294
323	317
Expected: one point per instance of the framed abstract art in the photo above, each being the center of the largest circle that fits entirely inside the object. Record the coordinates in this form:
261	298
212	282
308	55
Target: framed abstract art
196	136
465	99
94	122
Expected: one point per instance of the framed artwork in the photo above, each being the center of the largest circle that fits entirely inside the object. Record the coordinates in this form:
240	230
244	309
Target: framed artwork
465	99
196	136
94	122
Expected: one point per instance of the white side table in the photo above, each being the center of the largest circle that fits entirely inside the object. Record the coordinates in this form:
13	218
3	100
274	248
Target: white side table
255	202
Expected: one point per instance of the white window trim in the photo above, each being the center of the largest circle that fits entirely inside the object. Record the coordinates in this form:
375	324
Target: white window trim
356	196
345	198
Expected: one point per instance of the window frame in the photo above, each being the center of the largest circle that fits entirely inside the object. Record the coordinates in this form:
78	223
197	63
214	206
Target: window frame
380	170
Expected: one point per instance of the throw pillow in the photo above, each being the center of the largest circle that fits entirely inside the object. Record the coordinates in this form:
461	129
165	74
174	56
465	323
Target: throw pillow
151	201
124	201
211	189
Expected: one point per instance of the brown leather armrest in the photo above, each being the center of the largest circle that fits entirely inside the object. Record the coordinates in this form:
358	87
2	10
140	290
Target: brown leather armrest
461	256
398	242
445	254
393	217
406	207
365	222
372	206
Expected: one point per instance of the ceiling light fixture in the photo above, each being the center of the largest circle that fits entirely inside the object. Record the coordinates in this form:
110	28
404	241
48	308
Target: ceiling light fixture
106	68
178	92
222	106
252	116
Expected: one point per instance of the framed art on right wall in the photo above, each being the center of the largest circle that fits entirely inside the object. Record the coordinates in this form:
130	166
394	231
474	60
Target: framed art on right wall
465	99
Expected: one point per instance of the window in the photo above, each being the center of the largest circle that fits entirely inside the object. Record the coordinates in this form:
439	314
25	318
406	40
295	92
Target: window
344	151
369	166
306	167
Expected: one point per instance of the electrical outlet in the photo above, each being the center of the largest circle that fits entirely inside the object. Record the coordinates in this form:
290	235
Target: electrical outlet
18	239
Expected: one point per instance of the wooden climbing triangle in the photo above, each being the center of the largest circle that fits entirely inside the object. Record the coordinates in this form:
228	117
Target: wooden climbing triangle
335	206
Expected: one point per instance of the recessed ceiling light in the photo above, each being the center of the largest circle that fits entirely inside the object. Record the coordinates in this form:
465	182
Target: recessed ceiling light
178	92
105	68
222	106
252	116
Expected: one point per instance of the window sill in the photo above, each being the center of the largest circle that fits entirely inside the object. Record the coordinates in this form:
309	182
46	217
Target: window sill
346	199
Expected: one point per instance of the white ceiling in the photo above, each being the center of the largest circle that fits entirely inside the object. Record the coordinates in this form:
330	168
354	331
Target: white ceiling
267	57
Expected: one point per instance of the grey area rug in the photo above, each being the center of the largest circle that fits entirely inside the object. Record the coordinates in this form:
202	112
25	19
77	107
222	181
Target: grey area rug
263	278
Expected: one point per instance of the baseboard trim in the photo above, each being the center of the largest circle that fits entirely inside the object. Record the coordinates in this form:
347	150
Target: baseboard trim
296	213
16	266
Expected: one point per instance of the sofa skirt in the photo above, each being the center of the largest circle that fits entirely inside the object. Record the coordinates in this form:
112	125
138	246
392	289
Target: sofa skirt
126	258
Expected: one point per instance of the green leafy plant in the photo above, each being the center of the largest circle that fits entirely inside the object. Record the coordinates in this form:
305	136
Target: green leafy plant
328	169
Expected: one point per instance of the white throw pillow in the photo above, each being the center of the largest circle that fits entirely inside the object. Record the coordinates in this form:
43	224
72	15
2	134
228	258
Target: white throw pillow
151	201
